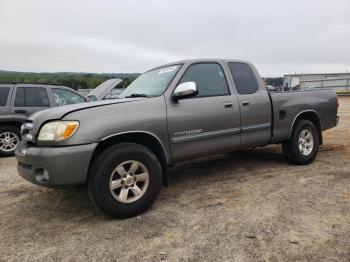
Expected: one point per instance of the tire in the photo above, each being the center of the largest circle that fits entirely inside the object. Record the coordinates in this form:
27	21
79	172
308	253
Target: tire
104	176
9	138
301	152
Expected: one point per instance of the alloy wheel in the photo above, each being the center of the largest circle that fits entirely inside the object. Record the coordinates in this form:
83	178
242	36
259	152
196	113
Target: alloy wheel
306	142
8	141
129	181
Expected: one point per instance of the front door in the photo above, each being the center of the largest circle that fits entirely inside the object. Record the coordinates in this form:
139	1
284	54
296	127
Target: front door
208	123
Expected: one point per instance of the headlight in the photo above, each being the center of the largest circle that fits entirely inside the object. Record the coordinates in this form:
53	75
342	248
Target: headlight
58	130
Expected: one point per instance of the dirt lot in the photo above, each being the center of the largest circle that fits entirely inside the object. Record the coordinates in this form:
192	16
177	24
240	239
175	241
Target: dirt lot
237	207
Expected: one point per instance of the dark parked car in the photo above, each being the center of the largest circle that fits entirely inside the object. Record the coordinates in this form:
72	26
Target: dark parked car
18	101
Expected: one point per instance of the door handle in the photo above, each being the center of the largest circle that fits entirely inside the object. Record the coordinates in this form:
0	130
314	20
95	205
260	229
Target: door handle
246	103
228	104
21	111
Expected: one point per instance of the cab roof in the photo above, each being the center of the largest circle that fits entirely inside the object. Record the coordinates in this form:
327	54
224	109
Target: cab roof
201	60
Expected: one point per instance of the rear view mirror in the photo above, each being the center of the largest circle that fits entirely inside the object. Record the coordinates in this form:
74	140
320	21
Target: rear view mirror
184	90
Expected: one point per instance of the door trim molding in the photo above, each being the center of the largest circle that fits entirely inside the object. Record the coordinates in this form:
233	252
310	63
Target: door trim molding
204	135
211	134
256	127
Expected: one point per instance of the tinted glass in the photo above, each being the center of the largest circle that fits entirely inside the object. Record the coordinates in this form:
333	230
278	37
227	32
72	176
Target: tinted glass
31	97
209	78
4	93
64	97
19	100
244	78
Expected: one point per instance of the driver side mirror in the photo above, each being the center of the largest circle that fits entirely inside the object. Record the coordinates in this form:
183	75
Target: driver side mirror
185	90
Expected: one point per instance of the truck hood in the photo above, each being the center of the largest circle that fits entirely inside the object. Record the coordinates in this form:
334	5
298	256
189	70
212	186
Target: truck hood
104	88
58	113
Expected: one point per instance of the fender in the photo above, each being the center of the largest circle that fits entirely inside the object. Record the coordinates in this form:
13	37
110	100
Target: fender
144	132
318	126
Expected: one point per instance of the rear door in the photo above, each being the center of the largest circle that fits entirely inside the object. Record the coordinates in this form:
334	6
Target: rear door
255	104
207	123
29	99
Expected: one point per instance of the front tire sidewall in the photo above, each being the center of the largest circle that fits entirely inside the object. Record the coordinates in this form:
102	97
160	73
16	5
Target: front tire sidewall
100	178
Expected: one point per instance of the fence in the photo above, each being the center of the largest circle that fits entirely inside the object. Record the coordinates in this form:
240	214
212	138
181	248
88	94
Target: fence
339	84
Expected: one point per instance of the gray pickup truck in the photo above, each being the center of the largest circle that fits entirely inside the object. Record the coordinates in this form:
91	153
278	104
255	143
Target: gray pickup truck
121	148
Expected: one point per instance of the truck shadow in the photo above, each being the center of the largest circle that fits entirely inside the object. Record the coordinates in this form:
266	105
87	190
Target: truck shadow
4	157
231	165
73	202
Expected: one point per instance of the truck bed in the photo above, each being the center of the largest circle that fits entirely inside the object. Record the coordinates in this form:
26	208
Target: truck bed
287	106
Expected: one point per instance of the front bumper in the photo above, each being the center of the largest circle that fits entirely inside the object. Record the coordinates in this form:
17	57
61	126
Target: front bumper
54	166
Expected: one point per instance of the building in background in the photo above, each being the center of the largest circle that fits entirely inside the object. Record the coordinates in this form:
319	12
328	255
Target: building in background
339	82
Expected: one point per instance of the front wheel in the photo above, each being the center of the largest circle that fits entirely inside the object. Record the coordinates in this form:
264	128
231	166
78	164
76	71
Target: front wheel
125	180
302	146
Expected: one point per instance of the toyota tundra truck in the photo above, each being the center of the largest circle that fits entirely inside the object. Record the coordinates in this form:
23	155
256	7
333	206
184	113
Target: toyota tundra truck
121	149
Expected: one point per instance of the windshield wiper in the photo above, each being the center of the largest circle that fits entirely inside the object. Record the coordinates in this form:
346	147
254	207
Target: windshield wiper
136	95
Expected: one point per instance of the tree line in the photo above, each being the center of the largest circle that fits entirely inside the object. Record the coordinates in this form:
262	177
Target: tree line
84	80
72	80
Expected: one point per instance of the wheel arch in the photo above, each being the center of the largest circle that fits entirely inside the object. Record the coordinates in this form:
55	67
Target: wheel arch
312	116
11	123
148	140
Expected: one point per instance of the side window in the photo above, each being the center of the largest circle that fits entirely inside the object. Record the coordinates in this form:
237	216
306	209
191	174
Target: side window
19	100
209	78
64	97
4	93
32	97
36	97
244	78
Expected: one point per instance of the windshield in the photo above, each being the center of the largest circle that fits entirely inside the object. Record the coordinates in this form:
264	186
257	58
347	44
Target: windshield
151	83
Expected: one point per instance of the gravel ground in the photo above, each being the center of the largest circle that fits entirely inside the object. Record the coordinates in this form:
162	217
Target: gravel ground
250	206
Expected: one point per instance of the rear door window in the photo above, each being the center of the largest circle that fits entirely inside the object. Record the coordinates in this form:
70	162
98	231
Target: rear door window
32	97
19	100
4	93
244	78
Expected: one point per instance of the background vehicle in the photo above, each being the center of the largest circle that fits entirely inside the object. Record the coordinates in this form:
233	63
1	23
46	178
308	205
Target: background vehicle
121	149
18	101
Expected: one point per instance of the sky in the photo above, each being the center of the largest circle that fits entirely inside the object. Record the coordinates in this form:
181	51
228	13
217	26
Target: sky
278	36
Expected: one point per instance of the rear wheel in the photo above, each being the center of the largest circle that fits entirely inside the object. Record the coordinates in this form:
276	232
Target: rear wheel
302	147
9	138
125	180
